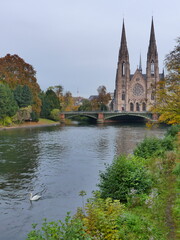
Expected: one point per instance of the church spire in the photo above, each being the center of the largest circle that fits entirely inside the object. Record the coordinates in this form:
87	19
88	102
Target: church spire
140	64
123	52
152	50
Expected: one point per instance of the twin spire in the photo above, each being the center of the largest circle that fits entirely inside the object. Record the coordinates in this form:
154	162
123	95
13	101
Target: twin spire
123	48
152	50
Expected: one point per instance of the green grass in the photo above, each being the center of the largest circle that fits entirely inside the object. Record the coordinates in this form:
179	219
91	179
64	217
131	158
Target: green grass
46	121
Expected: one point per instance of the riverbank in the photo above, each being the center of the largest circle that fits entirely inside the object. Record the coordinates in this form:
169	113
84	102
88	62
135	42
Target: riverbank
138	198
41	123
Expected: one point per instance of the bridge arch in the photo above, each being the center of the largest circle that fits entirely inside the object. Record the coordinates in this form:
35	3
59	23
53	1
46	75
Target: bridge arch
101	117
71	115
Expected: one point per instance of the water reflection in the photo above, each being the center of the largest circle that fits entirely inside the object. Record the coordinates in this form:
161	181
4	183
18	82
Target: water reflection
19	161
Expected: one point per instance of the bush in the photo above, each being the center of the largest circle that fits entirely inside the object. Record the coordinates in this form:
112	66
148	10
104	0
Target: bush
6	121
148	148
23	114
34	117
176	170
101	216
54	115
70	229
133	227
123	175
173	130
152	147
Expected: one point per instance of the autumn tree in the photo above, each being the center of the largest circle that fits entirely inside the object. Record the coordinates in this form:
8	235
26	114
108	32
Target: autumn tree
103	98
67	102
168	90
15	71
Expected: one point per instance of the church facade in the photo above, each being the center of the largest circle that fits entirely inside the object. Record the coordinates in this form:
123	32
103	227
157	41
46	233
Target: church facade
136	92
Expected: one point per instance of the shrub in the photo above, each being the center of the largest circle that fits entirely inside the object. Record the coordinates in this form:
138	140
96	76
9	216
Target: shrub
133	227
101	217
176	170
6	121
23	114
124	174
70	229
34	117
167	143
54	115
152	147
148	148
173	130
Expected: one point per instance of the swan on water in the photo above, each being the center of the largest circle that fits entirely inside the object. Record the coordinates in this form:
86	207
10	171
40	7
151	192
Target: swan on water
34	198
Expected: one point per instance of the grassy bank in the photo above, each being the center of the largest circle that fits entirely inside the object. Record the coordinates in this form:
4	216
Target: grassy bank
138	198
41	122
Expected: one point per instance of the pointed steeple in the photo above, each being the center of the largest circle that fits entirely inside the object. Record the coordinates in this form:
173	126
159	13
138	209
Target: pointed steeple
152	50
140	65
152	35
123	52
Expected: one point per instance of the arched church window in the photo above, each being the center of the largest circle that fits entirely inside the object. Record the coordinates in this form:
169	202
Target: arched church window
152	68
131	107
123	69
137	107
144	106
123	96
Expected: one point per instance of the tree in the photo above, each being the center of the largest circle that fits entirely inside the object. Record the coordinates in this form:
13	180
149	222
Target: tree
103	98
86	105
23	96
168	90
15	71
58	90
68	102
8	105
49	102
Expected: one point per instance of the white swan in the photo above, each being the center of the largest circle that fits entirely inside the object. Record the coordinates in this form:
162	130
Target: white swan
34	198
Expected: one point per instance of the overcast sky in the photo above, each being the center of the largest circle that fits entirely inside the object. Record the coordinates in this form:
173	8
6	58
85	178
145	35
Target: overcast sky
75	43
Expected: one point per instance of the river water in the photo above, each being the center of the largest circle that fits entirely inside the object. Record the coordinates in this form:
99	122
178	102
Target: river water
56	162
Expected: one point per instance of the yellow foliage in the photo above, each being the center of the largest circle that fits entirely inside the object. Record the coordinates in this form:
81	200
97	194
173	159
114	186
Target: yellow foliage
168	91
101	217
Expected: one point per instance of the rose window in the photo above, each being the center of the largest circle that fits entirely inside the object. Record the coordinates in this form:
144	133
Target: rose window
138	89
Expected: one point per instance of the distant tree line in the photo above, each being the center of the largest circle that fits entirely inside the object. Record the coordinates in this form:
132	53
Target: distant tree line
21	98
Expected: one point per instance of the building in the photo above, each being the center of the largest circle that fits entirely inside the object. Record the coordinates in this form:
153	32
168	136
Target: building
136	92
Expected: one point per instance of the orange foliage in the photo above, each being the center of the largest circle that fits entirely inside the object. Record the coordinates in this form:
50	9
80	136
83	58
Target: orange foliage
15	71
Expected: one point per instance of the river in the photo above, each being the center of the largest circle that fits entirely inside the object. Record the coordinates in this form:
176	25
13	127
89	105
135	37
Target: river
57	162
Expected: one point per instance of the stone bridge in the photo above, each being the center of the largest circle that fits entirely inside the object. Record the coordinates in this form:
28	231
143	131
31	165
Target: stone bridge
102	117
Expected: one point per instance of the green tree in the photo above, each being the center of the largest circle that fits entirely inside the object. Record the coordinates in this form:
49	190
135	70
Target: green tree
8	105
168	90
50	101
86	105
23	96
57	89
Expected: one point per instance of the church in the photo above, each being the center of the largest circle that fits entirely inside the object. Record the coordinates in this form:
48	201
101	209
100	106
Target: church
136	92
